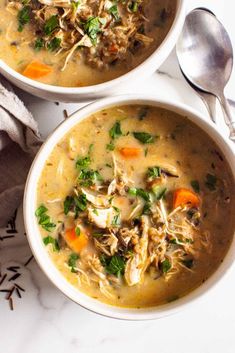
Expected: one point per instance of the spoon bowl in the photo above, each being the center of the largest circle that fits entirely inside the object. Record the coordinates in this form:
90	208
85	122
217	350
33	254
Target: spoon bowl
205	55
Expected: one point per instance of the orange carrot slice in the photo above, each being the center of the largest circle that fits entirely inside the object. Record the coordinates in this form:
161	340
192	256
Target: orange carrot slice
113	48
36	69
74	241
130	152
184	197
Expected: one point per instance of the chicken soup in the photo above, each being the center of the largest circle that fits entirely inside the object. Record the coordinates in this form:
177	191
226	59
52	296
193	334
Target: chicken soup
134	206
81	43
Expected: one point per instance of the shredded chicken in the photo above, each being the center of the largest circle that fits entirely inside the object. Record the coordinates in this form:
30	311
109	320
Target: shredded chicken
103	32
102	218
136	265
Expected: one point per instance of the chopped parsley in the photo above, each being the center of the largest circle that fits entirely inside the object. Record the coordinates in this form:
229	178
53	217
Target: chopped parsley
114	265
143	137
154	172
147	208
83	162
75	204
89	177
95	211
50	240
145	195
23	17
51	24
165	266
72	261
68	203
92	28
116	219
75	4
133	6
40	210
38	44
110	146
43	219
77	231
54	44
115	131
113	10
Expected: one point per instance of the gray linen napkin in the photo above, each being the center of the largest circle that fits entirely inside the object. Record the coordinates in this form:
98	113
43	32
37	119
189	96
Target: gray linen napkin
19	142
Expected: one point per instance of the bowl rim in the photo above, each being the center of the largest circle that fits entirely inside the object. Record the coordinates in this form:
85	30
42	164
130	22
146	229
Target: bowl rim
165	46
34	236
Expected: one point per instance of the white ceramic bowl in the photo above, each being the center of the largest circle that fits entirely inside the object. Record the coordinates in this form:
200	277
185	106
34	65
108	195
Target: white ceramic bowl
34	236
76	94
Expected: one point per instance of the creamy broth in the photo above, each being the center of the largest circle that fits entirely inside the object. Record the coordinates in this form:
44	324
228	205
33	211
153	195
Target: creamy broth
188	159
84	66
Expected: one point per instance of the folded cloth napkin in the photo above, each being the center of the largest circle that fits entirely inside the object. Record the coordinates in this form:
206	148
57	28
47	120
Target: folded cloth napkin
19	142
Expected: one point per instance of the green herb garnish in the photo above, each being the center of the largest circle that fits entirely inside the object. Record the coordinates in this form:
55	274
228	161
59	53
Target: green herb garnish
68	202
23	17
43	219
147	208
92	28
115	131
54	44
143	137
114	265
110	146
83	162
116	220
75	204
51	24
38	44
78	231
141	193
89	177
74	5
50	240
95	211
40	211
133	6
165	266
113	10
154	172
72	261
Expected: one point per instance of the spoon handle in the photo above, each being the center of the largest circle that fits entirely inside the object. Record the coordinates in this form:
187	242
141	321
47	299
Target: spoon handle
210	102
228	116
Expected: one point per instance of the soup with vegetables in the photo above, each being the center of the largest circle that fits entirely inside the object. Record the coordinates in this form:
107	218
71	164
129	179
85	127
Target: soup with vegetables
135	206
80	43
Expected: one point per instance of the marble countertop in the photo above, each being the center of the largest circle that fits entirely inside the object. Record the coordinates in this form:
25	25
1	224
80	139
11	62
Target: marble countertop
44	320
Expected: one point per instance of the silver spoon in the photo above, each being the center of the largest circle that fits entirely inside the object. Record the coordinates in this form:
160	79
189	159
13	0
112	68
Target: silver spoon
208	99
206	57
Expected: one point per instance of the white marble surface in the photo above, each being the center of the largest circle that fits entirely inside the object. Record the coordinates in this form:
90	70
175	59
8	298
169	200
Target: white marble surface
45	321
